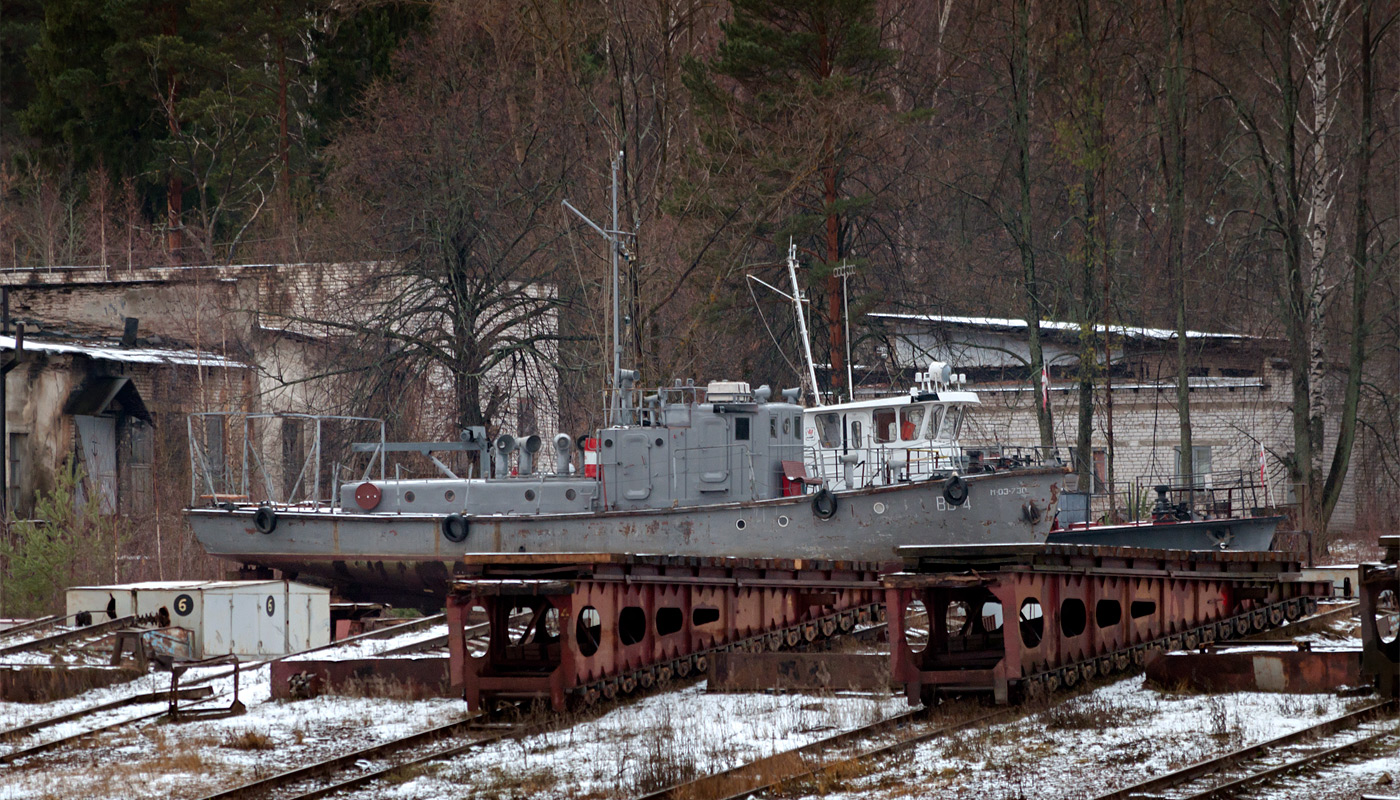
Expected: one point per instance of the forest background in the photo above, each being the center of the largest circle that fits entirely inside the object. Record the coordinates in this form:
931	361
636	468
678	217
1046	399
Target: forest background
1225	165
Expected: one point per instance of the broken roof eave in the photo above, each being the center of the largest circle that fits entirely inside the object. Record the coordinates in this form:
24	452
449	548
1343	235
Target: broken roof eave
128	355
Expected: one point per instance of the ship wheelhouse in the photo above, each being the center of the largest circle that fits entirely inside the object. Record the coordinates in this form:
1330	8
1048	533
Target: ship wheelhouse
890	439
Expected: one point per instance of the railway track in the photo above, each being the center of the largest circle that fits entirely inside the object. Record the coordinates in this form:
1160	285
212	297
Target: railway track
196	689
357	768
1369	729
833	755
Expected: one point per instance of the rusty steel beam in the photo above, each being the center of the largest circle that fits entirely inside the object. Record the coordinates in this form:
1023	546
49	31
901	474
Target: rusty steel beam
410	676
740	671
1025	620
1246	670
600	625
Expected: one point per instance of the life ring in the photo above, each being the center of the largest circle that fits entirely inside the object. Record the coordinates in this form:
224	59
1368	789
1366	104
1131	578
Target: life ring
955	491
824	504
265	520
454	528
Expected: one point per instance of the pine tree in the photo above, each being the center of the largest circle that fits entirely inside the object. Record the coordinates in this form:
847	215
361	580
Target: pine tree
792	104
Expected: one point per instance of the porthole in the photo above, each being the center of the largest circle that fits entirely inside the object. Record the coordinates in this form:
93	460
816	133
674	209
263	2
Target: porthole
408	497
570	495
607	442
449	495
530	495
740	524
660	442
879	508
783	521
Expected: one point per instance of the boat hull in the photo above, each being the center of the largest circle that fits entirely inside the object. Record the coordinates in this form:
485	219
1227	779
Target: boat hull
1250	533
396	556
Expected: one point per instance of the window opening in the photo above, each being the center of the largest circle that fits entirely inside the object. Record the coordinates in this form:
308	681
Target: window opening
829	429
911	423
885	425
1200	466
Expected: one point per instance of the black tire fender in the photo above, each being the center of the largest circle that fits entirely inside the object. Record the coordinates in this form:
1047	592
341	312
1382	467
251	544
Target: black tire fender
1031	512
265	519
955	491
455	528
824	504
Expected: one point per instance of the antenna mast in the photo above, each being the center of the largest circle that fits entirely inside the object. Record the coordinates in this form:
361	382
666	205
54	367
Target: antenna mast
797	300
844	272
615	246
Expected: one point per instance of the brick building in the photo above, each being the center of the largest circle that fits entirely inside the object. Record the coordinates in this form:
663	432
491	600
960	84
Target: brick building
117	359
1239	386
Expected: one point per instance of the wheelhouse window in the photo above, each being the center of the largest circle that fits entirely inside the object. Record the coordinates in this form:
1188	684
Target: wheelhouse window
856	440
944	422
741	429
829	429
885	430
911	423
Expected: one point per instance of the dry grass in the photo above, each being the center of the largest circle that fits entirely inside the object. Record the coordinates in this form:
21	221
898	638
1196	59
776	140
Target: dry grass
376	686
248	740
1087	713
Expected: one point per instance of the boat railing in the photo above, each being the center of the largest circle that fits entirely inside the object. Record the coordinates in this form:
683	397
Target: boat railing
998	456
1170	497
285	459
878	466
647	407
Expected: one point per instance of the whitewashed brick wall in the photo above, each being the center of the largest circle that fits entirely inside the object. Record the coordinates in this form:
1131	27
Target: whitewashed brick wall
1231	419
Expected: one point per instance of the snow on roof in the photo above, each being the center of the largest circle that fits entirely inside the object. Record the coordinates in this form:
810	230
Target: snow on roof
1126	331
130	355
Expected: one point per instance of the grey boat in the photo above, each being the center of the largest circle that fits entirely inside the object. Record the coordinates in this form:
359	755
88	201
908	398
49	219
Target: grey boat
720	470
1184	516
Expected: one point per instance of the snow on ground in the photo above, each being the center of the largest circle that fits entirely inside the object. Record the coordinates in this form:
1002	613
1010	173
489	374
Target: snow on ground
646	745
1109	736
1113	736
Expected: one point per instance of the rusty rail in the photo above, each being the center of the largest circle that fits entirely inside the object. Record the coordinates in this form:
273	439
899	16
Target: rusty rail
1344	723
63	637
194	690
802	762
322	769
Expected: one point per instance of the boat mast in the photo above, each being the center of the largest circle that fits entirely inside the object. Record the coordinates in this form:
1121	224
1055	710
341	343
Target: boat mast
617	302
615	246
797	301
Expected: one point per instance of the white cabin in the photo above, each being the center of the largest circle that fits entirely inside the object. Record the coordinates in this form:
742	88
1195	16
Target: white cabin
889	439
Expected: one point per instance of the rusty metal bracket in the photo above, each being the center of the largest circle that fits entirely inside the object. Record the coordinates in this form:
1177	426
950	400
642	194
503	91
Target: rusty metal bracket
175	713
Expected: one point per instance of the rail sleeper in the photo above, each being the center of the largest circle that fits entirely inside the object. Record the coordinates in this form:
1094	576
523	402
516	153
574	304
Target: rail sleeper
1077	612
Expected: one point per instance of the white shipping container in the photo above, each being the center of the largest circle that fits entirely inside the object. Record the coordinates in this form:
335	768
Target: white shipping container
242	618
